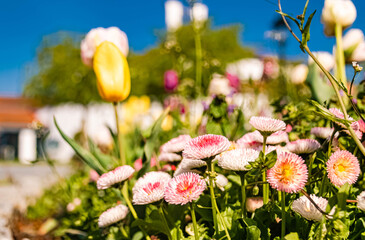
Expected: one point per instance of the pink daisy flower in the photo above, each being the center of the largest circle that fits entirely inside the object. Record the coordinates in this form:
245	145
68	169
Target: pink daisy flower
175	145
361	125
169	157
113	215
306	209
150	188
277	138
322	132
184	188
206	146
338	113
303	146
189	165
266	126
343	167
117	175
237	159
250	140
289	174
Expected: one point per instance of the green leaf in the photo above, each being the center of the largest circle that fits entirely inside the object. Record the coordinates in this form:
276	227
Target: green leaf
306	30
105	160
303	14
290	17
342	196
138	236
85	155
292	236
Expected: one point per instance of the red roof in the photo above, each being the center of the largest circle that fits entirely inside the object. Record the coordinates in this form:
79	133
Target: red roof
16	112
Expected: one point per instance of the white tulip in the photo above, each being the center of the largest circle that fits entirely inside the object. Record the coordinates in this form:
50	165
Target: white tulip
358	54
98	35
298	74
199	14
342	12
352	38
325	58
247	69
219	85
174	13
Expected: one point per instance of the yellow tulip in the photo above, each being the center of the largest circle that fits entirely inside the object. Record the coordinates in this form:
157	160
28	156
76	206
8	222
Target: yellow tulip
112	72
167	123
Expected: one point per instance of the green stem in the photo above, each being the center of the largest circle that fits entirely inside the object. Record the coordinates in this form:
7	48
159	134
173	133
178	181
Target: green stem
198	56
212	196
283	219
215	208
323	185
243	192
342	105
120	145
133	211
196	233
265	187
162	215
340	56
331	79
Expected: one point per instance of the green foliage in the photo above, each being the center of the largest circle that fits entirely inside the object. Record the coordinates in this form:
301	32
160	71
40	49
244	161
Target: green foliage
61	77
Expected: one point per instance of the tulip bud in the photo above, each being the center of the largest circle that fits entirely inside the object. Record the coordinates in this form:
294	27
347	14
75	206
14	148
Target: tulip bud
112	73
171	80
199	14
219	85
173	15
325	58
334	12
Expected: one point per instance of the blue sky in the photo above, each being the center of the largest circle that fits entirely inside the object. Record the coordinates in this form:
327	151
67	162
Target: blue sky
23	24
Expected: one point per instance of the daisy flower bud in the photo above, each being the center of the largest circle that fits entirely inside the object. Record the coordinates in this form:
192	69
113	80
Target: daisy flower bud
113	215
267	126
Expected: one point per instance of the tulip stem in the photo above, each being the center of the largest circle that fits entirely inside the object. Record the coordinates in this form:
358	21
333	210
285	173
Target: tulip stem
198	57
120	145
195	225
340	57
119	134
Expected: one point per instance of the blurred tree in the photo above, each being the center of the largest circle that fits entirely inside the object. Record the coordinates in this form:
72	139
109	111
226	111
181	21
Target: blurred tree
62	77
